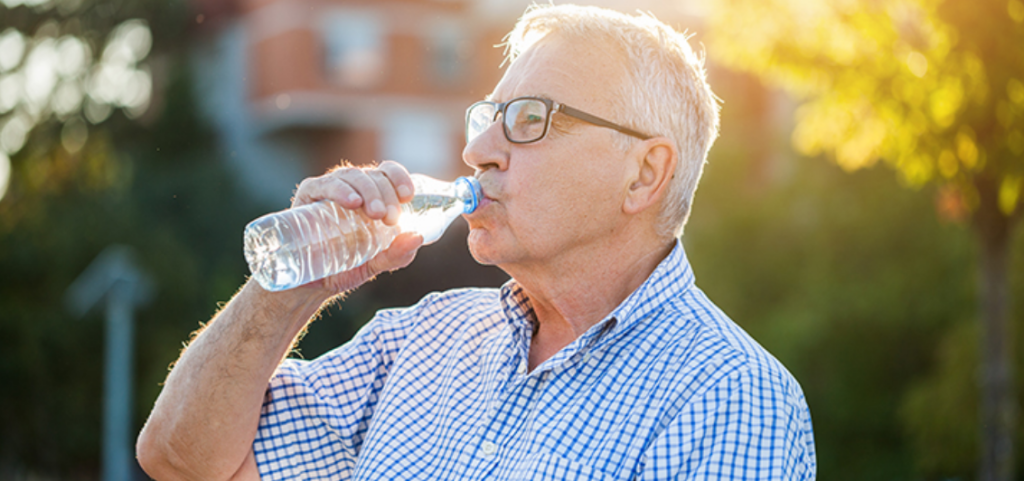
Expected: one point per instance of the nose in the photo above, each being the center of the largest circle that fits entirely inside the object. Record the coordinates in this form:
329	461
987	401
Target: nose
489	150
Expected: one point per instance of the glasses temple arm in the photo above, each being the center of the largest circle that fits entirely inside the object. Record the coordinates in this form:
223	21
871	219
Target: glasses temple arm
579	114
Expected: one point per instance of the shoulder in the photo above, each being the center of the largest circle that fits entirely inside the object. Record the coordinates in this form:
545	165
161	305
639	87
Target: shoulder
461	303
717	350
726	387
438	315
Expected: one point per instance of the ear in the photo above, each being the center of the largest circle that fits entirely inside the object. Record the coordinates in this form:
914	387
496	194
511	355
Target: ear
656	165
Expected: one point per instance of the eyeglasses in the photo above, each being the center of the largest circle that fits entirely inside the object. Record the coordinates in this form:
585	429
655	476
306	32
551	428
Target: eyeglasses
527	119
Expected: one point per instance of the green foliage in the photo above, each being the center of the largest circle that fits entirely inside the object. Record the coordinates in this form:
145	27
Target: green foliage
155	183
938	409
852	282
159	188
933	88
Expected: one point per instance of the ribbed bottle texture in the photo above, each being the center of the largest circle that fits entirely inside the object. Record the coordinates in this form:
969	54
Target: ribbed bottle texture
301	245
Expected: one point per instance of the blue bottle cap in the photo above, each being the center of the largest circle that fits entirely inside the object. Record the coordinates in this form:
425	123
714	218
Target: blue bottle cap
471	185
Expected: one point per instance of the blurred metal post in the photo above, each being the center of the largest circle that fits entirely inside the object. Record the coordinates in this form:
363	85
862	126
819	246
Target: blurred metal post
113	275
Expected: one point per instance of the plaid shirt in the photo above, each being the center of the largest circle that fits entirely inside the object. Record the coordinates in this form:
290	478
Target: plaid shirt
665	387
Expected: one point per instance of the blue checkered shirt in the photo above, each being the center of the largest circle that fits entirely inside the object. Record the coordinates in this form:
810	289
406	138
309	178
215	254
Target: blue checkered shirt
665	387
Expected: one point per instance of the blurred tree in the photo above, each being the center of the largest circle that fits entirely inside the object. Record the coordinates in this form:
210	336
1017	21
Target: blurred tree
71	63
109	148
935	89
846	278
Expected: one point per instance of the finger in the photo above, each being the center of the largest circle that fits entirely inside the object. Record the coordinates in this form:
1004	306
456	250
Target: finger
399	177
343	192
330	186
388	195
366	187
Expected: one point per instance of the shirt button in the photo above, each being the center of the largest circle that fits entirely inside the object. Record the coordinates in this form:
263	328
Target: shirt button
586	358
522	368
488	448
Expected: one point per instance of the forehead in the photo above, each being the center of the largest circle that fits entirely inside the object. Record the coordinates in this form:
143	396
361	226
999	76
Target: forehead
571	71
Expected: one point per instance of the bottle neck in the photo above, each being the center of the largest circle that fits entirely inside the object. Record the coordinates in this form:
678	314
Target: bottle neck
468	189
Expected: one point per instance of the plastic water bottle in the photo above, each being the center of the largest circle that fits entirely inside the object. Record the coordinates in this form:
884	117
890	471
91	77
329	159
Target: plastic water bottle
297	246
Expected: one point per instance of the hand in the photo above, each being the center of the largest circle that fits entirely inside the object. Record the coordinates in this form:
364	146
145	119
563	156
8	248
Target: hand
377	191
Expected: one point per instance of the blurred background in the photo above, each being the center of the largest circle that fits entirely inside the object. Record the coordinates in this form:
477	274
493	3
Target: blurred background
857	215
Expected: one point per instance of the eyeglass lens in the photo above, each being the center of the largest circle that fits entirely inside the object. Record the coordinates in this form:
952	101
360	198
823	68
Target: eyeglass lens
525	120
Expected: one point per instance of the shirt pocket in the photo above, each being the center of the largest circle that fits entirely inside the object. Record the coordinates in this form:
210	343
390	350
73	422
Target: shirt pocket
548	466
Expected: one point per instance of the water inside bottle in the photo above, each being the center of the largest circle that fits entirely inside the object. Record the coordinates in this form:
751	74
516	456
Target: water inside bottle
430	214
303	244
310	243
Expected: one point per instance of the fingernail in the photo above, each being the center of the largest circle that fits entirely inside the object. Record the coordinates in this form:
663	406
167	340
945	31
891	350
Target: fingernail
404	191
377	206
354	198
392	213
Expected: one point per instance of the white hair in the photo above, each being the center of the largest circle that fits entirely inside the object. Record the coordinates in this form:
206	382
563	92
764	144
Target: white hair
666	93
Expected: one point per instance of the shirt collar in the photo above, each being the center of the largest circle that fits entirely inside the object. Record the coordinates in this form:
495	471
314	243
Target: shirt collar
670	279
516	305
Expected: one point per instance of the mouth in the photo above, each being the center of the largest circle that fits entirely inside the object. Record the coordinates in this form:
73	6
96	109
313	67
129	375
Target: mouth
484	201
486	188
485	198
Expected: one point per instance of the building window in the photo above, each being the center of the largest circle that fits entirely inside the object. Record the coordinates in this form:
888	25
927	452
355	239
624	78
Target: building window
449	52
419	140
353	48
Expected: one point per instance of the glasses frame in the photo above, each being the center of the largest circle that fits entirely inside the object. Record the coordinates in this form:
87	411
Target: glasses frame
551	108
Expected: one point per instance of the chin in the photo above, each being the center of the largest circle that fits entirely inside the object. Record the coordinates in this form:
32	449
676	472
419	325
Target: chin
481	248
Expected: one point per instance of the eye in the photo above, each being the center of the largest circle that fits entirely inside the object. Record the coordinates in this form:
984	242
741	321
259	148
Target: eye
532	118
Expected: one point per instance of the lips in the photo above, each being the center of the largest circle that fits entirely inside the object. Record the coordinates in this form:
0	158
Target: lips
488	189
486	199
484	202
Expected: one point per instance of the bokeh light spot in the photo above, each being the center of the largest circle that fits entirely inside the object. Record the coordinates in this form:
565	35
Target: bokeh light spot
283	101
10	91
5	174
917	63
67	98
96	111
13	133
1016	10
12	47
41	73
74	55
74	134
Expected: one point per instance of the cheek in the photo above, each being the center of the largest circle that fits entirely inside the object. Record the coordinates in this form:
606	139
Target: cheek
551	211
565	187
586	190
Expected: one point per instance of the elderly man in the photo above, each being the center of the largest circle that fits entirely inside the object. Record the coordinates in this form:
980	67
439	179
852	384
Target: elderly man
600	360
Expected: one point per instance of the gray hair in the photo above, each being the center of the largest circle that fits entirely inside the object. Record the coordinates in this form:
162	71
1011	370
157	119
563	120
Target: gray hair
667	93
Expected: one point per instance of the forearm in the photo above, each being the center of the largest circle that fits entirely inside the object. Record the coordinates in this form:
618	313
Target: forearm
205	419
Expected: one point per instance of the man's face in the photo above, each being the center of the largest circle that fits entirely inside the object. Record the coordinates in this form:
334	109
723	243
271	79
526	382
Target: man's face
557	196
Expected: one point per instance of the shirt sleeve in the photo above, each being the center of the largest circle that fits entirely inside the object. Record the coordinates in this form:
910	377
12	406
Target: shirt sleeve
316	413
750	425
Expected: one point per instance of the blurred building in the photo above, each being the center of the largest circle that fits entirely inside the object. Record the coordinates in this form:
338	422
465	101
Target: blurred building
292	87
296	86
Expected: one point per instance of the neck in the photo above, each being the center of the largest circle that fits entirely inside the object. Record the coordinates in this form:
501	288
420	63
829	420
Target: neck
572	293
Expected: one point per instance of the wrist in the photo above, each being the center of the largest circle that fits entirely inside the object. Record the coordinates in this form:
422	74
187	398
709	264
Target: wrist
295	307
